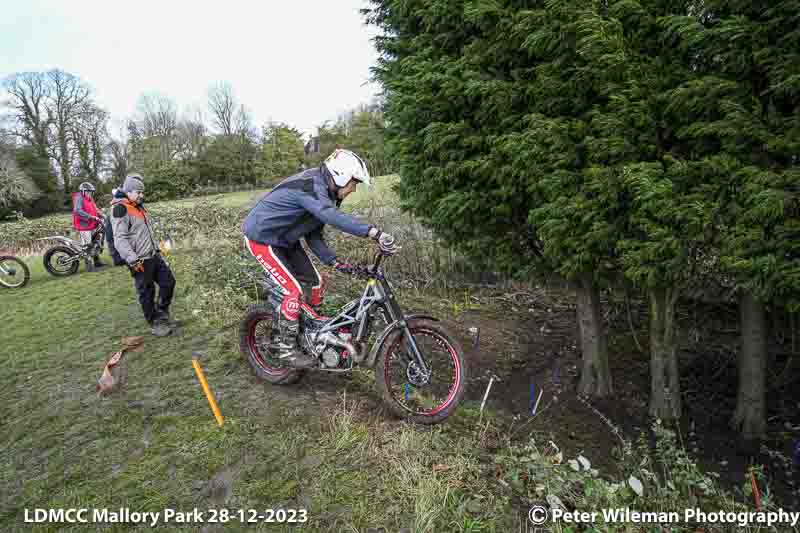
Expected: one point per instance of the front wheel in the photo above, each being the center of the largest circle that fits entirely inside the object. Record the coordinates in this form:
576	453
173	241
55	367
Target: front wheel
255	334
401	384
61	261
14	274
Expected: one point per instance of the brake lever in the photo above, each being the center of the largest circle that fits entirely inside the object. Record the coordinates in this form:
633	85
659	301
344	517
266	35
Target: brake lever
363	272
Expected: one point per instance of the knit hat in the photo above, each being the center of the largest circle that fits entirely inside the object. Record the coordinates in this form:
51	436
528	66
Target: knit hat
133	182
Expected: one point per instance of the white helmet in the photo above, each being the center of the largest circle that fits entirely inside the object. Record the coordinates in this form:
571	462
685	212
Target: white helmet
344	165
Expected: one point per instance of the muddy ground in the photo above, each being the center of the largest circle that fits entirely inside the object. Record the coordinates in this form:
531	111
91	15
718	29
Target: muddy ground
529	336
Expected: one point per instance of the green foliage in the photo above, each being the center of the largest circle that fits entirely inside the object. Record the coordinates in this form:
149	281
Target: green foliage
15	187
490	111
668	479
638	137
364	131
330	137
632	136
741	117
229	160
282	151
37	166
167	179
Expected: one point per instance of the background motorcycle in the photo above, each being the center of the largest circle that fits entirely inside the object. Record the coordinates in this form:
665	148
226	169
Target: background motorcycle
64	258
14	274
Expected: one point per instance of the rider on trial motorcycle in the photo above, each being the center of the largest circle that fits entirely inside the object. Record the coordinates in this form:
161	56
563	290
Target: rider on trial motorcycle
300	207
86	218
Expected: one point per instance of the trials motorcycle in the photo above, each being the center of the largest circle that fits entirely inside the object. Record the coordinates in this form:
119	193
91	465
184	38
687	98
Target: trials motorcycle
420	368
65	257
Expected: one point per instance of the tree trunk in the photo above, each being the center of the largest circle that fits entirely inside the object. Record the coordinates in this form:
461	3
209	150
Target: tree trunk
665	388
596	375
65	161
750	416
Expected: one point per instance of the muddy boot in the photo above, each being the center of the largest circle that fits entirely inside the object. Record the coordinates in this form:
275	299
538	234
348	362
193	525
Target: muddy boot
89	265
165	317
287	347
98	263
160	328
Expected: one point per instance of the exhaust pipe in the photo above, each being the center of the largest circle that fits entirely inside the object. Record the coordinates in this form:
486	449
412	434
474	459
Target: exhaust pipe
329	338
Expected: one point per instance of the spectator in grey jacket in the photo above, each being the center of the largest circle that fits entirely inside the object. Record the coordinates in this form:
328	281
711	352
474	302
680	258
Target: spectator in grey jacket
112	250
136	244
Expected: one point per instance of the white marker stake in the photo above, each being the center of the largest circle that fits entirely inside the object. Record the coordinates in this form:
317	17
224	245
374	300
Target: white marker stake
489	386
537	402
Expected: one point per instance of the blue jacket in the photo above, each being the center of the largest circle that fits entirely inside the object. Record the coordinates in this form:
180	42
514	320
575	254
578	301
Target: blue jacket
299	207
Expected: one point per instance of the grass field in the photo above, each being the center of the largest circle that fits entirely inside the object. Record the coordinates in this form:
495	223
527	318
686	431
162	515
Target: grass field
325	444
153	443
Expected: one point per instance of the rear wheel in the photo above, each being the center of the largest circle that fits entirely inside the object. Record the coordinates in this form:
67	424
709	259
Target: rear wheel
13	272
255	334
401	383
61	261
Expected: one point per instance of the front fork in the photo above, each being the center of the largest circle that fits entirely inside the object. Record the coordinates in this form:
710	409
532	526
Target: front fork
412	351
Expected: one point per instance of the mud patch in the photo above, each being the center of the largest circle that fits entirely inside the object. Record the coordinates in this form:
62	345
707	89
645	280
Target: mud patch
218	490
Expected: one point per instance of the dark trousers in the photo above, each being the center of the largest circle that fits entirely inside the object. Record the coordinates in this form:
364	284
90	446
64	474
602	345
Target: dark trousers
156	272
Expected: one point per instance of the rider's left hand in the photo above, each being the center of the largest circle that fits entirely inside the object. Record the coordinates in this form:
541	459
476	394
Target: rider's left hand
344	268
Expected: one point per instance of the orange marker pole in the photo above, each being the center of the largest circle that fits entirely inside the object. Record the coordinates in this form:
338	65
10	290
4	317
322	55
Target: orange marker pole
209	396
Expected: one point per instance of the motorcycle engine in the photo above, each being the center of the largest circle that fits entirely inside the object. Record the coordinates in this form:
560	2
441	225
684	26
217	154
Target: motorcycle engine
333	356
330	357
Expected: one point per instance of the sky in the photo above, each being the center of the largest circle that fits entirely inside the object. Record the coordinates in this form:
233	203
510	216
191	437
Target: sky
300	62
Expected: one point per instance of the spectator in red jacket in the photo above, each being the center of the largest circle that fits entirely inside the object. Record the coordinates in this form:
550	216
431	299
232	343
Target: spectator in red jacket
86	218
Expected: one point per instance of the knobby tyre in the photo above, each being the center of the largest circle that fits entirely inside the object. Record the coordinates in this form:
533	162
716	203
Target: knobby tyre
255	333
424	404
18	273
53	261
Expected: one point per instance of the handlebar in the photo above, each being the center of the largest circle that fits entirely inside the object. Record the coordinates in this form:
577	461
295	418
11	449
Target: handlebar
369	271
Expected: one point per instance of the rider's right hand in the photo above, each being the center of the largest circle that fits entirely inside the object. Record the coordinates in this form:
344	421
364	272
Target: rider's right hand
387	243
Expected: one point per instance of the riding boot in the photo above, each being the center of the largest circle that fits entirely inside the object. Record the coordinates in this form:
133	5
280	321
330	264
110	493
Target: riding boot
287	347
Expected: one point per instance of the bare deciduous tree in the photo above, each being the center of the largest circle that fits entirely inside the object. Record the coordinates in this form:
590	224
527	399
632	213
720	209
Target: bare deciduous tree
243	124
90	134
50	111
158	118
223	106
119	156
192	138
27	94
66	105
